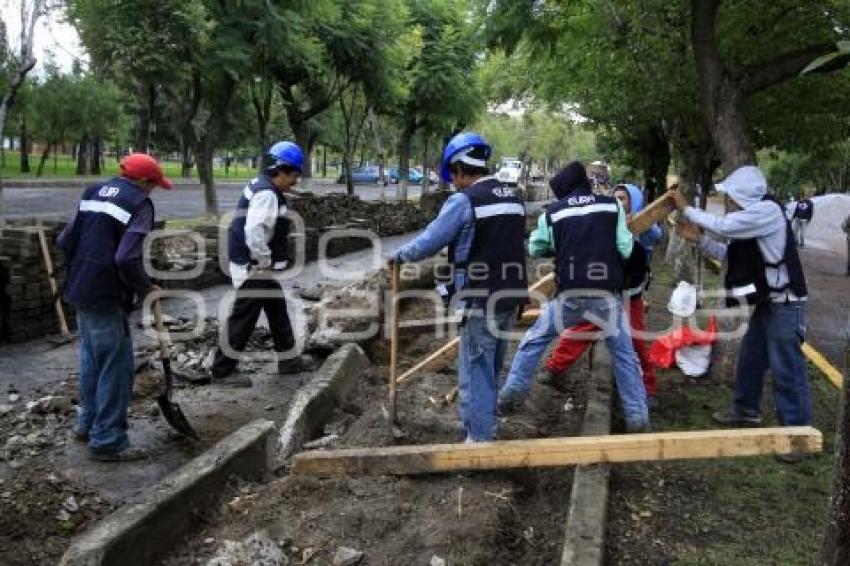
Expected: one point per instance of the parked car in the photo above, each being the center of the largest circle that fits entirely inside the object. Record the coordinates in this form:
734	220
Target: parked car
413	175
510	171
365	174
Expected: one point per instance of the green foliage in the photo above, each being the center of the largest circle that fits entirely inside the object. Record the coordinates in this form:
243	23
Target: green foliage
540	135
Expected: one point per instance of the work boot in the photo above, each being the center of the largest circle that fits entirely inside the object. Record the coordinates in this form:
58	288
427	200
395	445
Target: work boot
731	417
507	406
294	365
80	435
791	458
652	403
553	379
127	455
632	428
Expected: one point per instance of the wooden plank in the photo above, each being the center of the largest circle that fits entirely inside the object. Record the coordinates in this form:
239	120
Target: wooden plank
552	452
655	212
394	276
830	371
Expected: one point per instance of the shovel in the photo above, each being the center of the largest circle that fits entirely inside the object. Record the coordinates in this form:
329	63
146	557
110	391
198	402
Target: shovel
170	410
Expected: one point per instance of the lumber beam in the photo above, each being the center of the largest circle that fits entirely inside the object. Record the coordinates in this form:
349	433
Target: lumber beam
830	371
554	452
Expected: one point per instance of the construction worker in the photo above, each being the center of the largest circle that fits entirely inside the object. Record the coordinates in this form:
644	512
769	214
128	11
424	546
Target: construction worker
846	227
106	280
258	246
483	224
588	235
636	271
763	269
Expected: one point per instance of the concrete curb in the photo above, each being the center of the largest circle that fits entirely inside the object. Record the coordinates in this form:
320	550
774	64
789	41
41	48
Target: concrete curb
584	537
314	404
137	532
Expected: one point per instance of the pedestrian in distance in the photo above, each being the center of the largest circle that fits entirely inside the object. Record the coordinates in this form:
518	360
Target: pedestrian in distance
258	248
804	210
845	226
483	224
588	236
763	270
106	280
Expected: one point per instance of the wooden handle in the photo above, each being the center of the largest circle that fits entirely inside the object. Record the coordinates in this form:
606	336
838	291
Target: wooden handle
394	276
160	330
57	300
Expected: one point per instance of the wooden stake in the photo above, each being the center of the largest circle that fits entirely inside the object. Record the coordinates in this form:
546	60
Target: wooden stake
831	372
51	278
395	269
556	452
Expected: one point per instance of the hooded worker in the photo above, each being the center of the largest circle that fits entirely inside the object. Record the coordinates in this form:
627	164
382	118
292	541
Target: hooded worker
763	270
588	236
106	279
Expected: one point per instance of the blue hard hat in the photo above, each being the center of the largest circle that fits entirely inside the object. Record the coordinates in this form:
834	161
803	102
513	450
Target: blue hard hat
461	143
286	153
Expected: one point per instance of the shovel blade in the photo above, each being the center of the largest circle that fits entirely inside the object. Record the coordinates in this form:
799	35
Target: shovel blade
174	416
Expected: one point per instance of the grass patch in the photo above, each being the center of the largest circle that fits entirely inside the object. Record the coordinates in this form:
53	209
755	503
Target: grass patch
735	511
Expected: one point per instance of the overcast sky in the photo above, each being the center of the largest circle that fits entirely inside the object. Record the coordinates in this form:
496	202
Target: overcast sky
53	36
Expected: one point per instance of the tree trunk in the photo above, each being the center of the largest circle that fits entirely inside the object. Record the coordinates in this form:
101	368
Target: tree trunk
404	143
426	182
96	154
657	164
324	161
44	156
82	155
204	149
261	99
187	129
303	137
25	144
143	127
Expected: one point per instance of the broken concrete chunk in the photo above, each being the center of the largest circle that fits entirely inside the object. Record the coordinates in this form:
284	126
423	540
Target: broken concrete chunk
51	404
257	549
346	556
4	409
437	561
70	504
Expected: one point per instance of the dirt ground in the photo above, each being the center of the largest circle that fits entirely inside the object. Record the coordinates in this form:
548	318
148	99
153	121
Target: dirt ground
514	517
42	465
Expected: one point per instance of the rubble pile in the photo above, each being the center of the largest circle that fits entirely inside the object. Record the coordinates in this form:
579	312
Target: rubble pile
26	300
35	494
188	252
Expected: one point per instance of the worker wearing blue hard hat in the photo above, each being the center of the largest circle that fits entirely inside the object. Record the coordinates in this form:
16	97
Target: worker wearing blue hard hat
258	246
483	225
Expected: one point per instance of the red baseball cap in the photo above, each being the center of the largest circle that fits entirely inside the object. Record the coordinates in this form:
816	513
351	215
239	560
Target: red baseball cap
143	167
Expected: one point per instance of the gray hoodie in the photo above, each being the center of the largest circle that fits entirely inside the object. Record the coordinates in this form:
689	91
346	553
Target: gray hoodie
760	219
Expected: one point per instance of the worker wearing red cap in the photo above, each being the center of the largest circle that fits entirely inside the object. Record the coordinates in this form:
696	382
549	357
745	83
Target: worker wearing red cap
106	280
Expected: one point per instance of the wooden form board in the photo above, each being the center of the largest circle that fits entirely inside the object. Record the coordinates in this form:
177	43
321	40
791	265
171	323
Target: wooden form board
552	452
831	372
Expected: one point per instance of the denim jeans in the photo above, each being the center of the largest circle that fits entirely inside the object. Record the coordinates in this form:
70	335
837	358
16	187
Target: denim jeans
773	340
479	363
106	378
608	313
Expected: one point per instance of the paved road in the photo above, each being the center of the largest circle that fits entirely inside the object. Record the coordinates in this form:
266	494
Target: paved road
185	201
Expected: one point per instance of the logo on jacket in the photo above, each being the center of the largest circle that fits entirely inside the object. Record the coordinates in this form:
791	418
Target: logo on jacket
503	192
108	192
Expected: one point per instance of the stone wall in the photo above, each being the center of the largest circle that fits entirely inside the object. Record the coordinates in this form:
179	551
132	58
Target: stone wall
26	302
